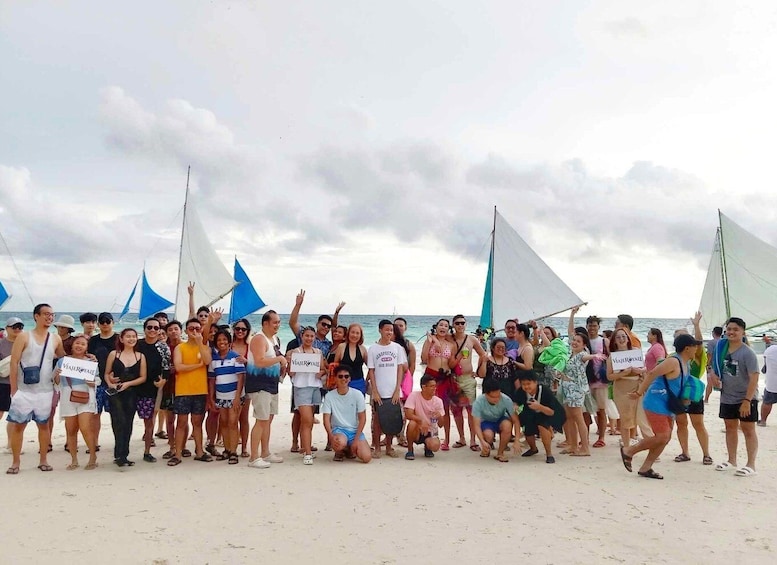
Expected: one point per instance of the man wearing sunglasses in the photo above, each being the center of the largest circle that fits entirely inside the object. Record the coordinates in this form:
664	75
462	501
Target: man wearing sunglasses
324	324
100	346
13	328
345	416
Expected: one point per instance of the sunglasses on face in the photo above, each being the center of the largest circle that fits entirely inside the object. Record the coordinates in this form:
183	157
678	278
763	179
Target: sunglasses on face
193	329
17	327
326	325
511	328
239	329
152	328
460	323
343	376
103	322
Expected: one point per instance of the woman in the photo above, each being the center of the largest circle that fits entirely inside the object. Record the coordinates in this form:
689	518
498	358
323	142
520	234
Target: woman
353	354
500	367
124	370
78	415
546	375
242	331
574	386
307	390
657	350
407	380
226	378
624	382
437	351
524	358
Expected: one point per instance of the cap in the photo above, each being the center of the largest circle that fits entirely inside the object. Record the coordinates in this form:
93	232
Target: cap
685	340
105	316
65	321
12	321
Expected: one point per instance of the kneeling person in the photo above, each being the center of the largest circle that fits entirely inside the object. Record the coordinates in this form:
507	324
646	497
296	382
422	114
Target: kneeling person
423	409
541	414
345	416
493	412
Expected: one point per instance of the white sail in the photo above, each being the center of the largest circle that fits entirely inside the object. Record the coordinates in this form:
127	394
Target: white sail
750	274
713	297
199	264
523	285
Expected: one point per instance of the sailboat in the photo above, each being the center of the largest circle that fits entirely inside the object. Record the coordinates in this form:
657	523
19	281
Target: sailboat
244	300
741	278
4	296
519	284
150	301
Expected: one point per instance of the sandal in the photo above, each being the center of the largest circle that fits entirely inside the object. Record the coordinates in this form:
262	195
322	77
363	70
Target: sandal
501	458
445	447
339	456
245	454
90	466
682	458
402	443
233	459
459	444
168	455
428	452
205	457
223	456
45	467
485	453
161	435
650	474
294	449
725	466
72	467
474	447
745	472
12	471
173	461
599	443
550	459
707	460
626	460
211	448
186	453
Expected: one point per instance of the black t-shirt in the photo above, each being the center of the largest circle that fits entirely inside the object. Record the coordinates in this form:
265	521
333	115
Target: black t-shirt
153	369
546	397
100	347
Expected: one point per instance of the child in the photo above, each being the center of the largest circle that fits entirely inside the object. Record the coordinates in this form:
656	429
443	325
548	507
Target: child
540	412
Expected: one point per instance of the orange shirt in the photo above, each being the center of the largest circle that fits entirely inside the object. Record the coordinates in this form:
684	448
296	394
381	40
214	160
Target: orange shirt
191	383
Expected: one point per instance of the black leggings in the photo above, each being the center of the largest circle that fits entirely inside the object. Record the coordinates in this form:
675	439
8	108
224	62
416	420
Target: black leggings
123	407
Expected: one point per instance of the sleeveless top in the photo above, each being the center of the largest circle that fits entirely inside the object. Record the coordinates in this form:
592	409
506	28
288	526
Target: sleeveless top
656	398
124	373
265	379
31	357
354	365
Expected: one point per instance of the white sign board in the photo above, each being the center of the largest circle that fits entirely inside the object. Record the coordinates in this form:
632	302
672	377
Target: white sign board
82	369
624	359
305	362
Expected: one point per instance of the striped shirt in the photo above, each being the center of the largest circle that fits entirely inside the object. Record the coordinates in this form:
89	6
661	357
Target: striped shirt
226	371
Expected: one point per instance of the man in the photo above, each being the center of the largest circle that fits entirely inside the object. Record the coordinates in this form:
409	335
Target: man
264	369
386	365
600	387
401	323
626	322
461	365
88	324
158	358
31	389
173	331
100	346
511	340
13	328
191	359
345	416
717	333
736	372
695	409
493	413
423	410
163	320
770	386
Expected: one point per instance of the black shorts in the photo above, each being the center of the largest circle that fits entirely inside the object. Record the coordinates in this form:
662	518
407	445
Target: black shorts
532	421
422	439
194	404
5	397
697	407
731	412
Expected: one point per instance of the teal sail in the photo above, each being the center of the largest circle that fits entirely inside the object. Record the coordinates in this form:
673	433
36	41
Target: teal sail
245	300
150	301
127	304
4	296
487	312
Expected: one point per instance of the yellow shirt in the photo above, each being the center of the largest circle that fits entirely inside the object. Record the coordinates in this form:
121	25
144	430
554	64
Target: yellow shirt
191	383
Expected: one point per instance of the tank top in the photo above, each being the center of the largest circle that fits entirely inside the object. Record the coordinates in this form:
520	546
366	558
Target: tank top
354	365
124	373
265	379
31	357
656	398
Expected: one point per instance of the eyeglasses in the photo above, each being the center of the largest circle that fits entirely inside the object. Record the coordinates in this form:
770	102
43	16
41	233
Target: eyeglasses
193	328
152	328
17	327
343	376
47	314
239	329
326	325
460	323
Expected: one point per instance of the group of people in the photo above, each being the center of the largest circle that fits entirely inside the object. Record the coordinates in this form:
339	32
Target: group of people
534	384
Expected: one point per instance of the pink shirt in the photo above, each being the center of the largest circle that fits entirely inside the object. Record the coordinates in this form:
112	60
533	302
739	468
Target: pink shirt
655	353
425	408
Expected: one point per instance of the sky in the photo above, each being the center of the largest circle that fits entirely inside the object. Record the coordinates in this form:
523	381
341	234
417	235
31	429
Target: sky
357	149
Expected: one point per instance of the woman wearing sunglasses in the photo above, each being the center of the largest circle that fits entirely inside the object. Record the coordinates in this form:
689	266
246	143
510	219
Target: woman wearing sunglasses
242	334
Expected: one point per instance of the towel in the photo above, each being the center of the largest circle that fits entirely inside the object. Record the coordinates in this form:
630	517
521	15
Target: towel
556	355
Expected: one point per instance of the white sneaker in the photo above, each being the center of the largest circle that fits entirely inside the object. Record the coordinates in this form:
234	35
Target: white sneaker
307	460
259	463
273	458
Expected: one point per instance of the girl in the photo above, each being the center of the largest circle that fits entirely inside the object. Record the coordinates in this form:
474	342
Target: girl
124	369
435	354
353	354
574	384
624	383
307	391
657	350
242	331
226	377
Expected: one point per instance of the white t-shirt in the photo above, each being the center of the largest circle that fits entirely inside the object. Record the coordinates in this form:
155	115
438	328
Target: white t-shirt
385	359
770	357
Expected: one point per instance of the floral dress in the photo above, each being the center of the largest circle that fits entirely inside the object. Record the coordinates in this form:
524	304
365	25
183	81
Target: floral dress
574	385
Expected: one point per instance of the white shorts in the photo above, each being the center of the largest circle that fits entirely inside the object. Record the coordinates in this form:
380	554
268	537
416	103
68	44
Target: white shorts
67	408
265	404
26	406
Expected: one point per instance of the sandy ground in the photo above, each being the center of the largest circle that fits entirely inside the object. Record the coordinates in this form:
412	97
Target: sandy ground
455	507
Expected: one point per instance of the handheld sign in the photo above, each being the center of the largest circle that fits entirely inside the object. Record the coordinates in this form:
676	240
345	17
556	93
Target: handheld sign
81	369
624	359
305	362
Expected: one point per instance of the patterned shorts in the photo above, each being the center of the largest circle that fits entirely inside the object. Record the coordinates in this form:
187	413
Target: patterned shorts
145	408
221	403
167	403
102	400
194	404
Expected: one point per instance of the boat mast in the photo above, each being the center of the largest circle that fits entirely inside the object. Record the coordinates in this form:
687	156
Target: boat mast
491	257
183	228
723	264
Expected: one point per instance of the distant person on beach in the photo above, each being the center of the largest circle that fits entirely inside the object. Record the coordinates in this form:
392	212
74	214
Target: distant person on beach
386	365
493	413
32	385
695	409
100	346
13	329
158	360
88	323
736	372
266	365
717	333
423	410
770	385
436	352
673	372
345	417
461	365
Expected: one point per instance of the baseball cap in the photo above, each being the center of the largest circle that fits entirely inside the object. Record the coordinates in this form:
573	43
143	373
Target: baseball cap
12	321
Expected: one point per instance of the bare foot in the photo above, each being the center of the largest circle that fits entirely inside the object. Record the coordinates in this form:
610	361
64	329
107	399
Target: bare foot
91	465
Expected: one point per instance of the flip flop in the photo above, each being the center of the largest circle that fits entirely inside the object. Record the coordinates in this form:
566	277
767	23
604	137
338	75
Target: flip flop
90	466
501	458
482	454
45	467
186	453
294	450
339	457
626	461
459	444
173	461
599	443
650	474
72	466
445	447
682	458
205	457
474	447
245	454
12	471
161	435
745	472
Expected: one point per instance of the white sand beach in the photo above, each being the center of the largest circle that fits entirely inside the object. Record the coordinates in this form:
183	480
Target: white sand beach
456	507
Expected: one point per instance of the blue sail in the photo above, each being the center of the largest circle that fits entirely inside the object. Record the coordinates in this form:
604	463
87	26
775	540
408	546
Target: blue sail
127	304
150	301
3	295
487	313
245	299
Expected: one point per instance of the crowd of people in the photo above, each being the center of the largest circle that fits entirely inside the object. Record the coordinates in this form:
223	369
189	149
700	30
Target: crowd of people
534	384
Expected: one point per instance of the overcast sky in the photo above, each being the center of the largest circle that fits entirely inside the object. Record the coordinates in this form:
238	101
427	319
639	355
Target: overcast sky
357	149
